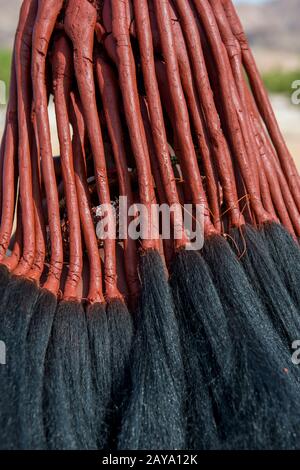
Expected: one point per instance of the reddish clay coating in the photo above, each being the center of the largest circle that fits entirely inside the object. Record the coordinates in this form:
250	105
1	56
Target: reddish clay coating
276	194
168	244
222	65
110	100
199	126
2	150
143	29
80	21
95	294
40	230
263	103
266	169
235	57
278	185
290	202
269	153
128	85
244	199
23	43
183	130
8	171
12	261
154	28
109	42
107	15
161	75
205	149
48	11
62	71
263	182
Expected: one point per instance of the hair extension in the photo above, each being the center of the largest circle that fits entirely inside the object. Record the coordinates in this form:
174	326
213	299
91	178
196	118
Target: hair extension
156	364
22	58
11	260
39	330
188	156
48	11
199	125
204	332
143	28
77	30
201	306
62	67
2	151
40	230
21	294
161	75
95	294
234	52
121	333
262	273
266	182
285	254
4	279
154	417
70	377
281	194
202	360
70	410
97	323
220	147
110	100
38	337
223	278
283	210
120	325
15	313
257	408
201	432
235	133
235	70
10	140
263	102
168	244
102	373
80	28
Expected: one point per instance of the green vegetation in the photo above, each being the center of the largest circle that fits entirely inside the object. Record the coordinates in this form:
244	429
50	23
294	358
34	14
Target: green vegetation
280	81
5	63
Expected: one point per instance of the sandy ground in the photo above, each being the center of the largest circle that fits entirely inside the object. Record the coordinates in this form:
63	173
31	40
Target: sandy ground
288	116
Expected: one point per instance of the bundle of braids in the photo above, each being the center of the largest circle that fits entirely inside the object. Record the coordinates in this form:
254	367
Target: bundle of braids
147	342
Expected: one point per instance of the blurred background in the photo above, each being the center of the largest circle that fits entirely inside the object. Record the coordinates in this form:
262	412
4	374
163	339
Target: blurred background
273	29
